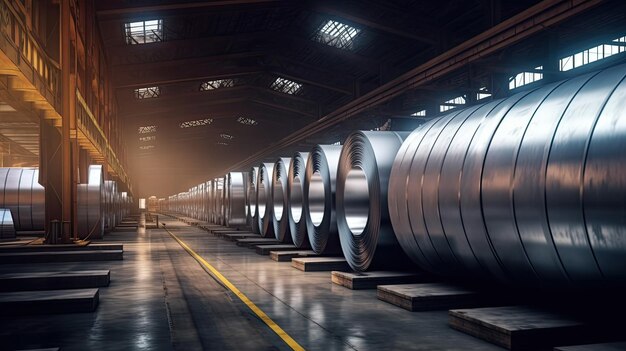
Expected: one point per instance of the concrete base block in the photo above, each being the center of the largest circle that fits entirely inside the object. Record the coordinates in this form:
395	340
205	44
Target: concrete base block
252	242
370	280
265	249
286	256
48	301
520	327
54	280
61	256
241	235
319	264
430	296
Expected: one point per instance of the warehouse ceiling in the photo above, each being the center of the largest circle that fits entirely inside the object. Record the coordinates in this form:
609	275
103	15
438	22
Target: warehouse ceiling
203	85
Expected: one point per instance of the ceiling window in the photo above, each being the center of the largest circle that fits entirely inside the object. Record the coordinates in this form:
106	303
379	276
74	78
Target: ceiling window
524	78
593	54
146	147
337	34
286	86
483	93
147	129
223	143
144	32
247	121
147	93
196	123
148	138
421	113
452	103
226	136
336	143
216	84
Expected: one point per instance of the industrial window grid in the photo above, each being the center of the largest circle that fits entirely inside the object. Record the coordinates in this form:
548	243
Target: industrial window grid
483	93
147	93
420	113
247	121
337	34
286	86
593	54
226	136
452	103
216	84
147	129
524	78
196	123
147	138
144	32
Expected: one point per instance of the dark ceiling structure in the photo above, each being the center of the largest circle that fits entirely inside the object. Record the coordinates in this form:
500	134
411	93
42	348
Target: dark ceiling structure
242	80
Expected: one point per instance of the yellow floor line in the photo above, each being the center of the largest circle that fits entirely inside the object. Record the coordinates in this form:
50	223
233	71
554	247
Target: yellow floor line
264	317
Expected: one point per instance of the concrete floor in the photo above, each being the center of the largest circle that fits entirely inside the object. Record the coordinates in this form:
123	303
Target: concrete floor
160	298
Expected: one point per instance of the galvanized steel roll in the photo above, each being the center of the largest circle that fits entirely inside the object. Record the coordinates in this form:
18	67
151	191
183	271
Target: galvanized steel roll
319	198
264	199
528	190
253	211
7	227
236	199
280	216
24	197
91	205
295	199
365	231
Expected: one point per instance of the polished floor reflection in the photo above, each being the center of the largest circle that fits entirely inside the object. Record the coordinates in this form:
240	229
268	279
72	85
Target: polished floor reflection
160	298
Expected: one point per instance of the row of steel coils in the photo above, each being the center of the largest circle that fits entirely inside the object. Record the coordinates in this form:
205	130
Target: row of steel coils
530	189
101	206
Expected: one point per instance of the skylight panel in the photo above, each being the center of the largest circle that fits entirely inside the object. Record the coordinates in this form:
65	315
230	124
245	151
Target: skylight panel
593	54
524	78
146	147
216	84
144	32
483	93
223	143
247	121
421	113
286	86
148	138
147	93
147	129
452	103
337	34
196	123
226	136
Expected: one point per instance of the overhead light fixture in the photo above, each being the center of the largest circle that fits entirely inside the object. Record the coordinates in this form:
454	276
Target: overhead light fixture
247	121
337	34
216	84
147	129
226	136
196	123
147	93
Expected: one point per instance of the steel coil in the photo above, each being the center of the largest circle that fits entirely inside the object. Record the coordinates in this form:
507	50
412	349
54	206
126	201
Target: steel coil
319	198
253	210
7	227
236	199
91	207
529	190
24	197
280	217
264	199
295	199
365	231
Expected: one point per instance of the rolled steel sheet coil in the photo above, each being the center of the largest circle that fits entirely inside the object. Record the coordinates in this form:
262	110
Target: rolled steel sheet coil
253	210
295	200
91	206
236	205
319	198
365	231
527	190
109	221
264	199
7	227
280	216
24	197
